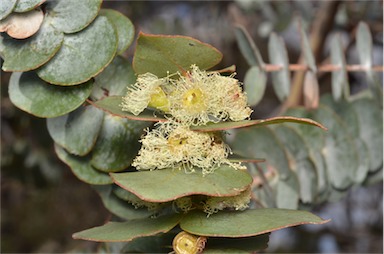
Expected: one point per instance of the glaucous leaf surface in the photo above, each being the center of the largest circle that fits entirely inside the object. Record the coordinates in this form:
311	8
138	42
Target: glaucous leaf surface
278	56
129	230
25	55
167	54
248	48
118	206
33	95
370	118
307	50
22	25
314	138
262	142
255	82
349	116
77	131
287	193
299	161
83	55
250	222
70	16
117	143
111	105
339	150
169	184
6	8
114	79
82	168
364	44
124	27
340	86
26	5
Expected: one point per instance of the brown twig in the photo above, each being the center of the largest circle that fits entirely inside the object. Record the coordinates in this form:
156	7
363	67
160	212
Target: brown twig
323	68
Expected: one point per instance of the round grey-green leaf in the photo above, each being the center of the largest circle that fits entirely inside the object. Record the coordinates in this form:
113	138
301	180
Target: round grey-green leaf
119	206
114	79
6	8
27	5
83	55
255	82
339	150
278	56
370	118
33	95
340	84
78	130
124	27
117	144
70	16
81	168
25	55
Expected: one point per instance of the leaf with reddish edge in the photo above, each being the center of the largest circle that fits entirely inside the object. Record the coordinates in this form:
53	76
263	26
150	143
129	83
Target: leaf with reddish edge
247	223
169	184
239	158
111	105
163	54
129	230
221	126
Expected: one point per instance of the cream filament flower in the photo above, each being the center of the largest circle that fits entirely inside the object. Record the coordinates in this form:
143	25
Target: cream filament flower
200	97
239	202
147	91
173	145
194	99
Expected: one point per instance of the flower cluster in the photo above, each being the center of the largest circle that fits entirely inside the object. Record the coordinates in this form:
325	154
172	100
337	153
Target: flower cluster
173	145
195	98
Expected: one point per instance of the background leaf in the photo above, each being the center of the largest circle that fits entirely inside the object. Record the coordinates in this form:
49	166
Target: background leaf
6	8
27	5
117	144
70	16
278	56
169	184
22	25
33	95
120	207
339	77
77	61
114	79
127	231
255	82
364	44
300	161
370	118
163	54
38	50
82	168
124	27
78	130
248	48
246	223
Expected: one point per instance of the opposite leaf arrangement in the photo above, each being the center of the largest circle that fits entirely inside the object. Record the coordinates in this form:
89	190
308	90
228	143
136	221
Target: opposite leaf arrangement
176	181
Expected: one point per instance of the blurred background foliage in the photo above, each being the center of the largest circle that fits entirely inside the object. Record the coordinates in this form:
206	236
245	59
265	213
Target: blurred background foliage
42	203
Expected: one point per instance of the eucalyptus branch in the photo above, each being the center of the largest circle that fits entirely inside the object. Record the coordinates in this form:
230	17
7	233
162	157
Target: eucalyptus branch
324	68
